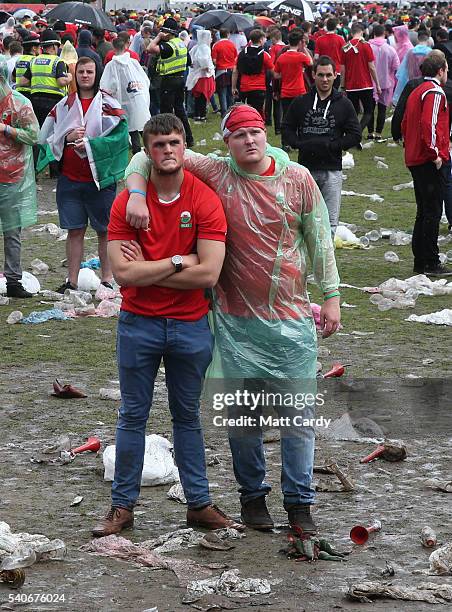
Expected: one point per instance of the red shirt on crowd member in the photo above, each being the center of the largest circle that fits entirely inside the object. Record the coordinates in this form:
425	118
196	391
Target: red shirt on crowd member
256	82
110	54
74	167
290	65
174	229
355	57
331	44
427	110
224	54
276	49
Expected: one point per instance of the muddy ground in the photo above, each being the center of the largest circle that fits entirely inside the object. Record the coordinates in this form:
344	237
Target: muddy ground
36	498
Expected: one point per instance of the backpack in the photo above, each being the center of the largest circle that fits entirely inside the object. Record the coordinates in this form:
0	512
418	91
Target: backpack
251	60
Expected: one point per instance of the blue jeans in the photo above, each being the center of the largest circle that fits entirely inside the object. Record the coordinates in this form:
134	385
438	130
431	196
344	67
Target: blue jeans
186	349
226	99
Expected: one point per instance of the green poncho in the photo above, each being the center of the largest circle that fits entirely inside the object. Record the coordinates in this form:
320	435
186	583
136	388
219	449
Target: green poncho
18	207
262	319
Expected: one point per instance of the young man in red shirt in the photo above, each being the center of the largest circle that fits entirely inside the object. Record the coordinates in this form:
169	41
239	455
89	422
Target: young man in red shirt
331	45
425	129
164	315
126	37
358	73
252	65
224	56
289	70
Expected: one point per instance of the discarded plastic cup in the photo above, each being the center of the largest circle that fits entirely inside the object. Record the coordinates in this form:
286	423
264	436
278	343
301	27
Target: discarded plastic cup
369	215
442	258
364	241
23	556
428	537
391	257
373	235
360	534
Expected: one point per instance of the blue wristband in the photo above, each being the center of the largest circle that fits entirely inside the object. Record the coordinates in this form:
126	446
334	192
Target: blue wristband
137	191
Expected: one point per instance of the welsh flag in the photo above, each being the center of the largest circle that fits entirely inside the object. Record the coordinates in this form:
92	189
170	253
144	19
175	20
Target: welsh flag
106	136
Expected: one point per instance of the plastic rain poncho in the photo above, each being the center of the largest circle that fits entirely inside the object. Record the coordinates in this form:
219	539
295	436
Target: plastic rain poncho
70	58
202	66
262	321
18	207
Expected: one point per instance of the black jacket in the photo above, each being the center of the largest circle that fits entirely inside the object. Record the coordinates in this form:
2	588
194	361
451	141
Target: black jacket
399	111
321	134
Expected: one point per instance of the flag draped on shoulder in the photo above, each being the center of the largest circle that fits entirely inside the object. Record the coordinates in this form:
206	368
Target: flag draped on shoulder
106	136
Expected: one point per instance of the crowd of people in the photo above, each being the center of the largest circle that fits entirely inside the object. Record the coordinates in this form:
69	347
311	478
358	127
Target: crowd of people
79	96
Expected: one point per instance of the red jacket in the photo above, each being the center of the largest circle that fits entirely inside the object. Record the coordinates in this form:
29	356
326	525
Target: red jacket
425	125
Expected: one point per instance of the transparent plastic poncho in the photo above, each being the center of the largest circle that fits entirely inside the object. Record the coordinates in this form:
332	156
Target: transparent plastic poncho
262	318
18	206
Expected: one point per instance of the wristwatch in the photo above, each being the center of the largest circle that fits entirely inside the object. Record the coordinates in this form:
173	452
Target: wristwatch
177	261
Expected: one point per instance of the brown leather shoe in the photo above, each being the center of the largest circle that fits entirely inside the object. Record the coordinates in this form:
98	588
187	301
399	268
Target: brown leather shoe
211	517
115	521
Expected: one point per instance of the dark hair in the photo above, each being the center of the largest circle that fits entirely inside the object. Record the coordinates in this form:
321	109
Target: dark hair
378	30
423	34
15	47
356	27
442	34
165	124
224	32
294	38
119	44
323	60
256	36
7	41
98	33
68	37
89	60
331	24
124	35
433	63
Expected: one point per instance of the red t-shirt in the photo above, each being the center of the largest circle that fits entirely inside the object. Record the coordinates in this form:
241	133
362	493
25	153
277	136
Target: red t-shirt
173	230
110	54
224	54
271	169
357	73
276	49
255	82
290	66
331	45
74	167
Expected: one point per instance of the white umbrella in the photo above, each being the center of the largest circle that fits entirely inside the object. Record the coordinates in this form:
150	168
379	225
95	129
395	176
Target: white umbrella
300	8
20	13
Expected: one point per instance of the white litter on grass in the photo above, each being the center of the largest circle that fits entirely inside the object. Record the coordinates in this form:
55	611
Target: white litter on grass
391	257
382	165
345	305
14	317
442	317
392	145
378	158
177	494
39	267
217	136
409	185
4	301
370	215
373	197
347	161
344	233
158	468
109	394
399	238
46	212
441	561
368	145
88	280
23	549
29	282
396	293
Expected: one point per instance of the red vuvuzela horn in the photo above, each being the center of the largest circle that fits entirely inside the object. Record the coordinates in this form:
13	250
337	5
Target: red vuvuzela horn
92	445
360	534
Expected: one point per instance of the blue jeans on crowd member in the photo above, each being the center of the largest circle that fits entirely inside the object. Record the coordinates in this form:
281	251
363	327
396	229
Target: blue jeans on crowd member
226	99
186	349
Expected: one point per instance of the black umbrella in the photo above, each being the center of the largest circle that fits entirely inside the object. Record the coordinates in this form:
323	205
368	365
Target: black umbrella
234	22
81	14
4	16
258	7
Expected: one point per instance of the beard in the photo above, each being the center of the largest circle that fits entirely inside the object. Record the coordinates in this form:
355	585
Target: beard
170	171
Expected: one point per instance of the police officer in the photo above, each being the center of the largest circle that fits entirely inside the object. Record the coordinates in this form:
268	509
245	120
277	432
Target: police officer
47	77
31	46
171	66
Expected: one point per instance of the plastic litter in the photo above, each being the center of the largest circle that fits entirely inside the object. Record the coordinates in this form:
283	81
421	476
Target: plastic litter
77	500
428	537
29	282
368	145
77	298
110	394
449	255
23	549
217	136
374	235
441	561
86	311
14	317
202	142
364	241
373	197
93	263
4	301
387	451
229	583
88	280
441	317
39	267
430	592
409	185
45	315
108	308
158	468
382	165
391	257
177	494
378	158
347	161
360	534
51	295
439	485
398	238
212	541
66	307
174	540
345	233
104	293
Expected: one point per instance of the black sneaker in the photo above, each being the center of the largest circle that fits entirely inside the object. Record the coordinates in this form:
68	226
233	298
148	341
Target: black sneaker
417	269
300	518
255	514
16	290
107	284
439	270
66	285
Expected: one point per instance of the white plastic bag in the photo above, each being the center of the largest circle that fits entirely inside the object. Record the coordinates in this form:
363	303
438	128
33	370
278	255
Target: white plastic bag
344	233
347	161
88	280
29	282
158	468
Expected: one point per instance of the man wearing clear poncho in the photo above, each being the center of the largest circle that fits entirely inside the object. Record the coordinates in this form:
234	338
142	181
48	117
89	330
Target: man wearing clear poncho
19	130
262	319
